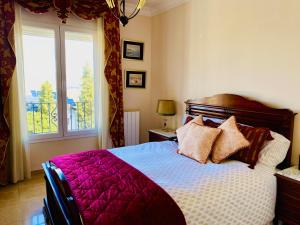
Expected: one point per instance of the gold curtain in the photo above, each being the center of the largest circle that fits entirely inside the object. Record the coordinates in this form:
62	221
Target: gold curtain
7	66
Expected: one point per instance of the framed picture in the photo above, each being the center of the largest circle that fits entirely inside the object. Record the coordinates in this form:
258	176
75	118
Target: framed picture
135	79
133	50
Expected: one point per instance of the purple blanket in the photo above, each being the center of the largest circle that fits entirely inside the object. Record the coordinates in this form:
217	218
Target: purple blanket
108	191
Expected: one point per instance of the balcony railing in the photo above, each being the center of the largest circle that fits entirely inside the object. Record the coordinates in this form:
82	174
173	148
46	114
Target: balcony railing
42	118
81	116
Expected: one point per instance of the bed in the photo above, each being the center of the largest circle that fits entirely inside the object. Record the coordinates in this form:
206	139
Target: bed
227	193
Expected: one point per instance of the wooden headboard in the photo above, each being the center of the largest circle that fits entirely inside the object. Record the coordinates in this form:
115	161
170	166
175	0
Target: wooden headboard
246	111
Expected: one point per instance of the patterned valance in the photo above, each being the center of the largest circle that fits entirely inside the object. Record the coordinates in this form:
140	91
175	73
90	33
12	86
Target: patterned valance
86	9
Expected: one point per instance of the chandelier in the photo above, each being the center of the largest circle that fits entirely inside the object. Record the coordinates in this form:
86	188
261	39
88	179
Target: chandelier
124	19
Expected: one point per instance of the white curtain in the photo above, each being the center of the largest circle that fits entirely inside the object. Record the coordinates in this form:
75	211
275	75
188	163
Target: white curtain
19	146
104	139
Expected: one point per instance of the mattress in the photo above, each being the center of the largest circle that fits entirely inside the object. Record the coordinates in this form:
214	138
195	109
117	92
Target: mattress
210	194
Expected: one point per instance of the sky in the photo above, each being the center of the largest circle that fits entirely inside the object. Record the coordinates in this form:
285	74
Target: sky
40	63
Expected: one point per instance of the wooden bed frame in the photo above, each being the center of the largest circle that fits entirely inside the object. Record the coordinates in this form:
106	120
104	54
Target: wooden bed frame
59	205
246	111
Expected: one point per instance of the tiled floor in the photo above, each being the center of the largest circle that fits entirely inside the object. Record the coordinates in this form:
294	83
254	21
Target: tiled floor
22	203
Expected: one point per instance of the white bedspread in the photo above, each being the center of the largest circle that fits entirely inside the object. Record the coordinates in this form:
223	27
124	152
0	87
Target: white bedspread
211	194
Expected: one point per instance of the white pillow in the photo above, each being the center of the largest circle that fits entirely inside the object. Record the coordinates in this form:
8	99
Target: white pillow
275	151
181	132
185	117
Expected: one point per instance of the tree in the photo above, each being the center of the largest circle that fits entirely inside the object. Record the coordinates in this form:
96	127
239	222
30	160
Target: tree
85	106
42	115
47	109
46	93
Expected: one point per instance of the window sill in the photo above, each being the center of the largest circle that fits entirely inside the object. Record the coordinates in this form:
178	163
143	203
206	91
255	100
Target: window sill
70	137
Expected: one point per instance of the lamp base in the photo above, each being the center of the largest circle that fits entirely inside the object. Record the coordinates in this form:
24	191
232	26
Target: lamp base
165	121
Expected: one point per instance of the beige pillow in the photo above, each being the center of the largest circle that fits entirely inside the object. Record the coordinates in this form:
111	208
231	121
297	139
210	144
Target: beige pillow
182	131
229	142
198	142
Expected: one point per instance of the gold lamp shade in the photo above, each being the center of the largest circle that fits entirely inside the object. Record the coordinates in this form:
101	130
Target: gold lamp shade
166	108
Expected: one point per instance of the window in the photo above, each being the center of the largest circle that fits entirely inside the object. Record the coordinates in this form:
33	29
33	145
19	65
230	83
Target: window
60	81
40	80
80	81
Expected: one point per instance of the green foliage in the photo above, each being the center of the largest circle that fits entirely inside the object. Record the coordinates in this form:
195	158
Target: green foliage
85	106
46	93
44	119
36	127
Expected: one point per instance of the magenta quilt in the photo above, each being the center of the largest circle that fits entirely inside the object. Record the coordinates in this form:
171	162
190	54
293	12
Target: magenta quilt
108	191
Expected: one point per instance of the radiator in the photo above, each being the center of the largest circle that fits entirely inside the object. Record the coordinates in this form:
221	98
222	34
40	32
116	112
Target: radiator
132	128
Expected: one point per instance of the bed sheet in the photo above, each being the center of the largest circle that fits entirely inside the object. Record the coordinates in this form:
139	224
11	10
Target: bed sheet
211	194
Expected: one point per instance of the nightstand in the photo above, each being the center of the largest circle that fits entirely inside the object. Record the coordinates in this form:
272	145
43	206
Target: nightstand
288	196
161	135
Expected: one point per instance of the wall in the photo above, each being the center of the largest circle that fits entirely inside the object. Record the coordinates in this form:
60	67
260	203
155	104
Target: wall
139	29
248	47
43	151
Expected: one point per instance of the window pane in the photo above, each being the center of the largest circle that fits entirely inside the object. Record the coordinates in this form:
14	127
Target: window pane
40	80
80	81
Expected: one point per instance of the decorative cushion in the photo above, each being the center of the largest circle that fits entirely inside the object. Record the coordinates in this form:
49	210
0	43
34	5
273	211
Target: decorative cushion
229	142
247	130
243	128
274	152
182	131
257	136
198	142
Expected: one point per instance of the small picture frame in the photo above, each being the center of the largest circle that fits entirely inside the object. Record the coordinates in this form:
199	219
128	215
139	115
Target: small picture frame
133	50
135	79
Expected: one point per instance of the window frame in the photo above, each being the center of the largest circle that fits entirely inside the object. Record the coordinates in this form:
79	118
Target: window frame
63	30
59	30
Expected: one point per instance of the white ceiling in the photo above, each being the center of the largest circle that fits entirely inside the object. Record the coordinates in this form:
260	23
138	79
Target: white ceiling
154	7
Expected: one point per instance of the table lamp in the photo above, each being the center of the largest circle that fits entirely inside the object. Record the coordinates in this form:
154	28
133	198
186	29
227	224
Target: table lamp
166	108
